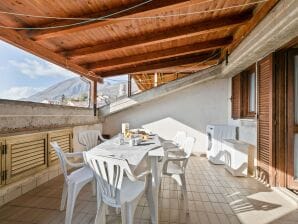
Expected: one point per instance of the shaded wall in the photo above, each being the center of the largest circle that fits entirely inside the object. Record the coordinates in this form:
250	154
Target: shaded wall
190	109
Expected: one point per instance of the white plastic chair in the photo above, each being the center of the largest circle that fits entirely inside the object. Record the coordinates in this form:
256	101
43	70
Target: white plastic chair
175	166
74	182
117	190
177	142
91	138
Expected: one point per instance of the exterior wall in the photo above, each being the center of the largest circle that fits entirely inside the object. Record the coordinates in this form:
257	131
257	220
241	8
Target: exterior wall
190	109
25	116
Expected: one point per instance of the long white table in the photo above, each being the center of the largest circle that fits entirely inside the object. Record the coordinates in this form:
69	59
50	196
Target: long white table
150	151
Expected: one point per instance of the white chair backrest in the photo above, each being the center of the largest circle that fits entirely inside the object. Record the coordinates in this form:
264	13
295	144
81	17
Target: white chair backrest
89	138
61	157
188	146
108	172
180	138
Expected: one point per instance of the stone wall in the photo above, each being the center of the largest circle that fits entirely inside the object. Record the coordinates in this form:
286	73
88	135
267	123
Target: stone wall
18	116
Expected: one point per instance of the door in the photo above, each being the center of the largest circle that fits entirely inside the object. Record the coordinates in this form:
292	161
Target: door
292	155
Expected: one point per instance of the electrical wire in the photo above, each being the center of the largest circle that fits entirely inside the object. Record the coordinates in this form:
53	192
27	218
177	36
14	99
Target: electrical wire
67	18
126	18
78	23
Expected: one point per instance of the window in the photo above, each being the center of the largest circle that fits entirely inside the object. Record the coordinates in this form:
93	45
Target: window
244	94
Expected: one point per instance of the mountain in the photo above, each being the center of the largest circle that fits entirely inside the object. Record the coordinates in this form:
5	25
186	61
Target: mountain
76	88
70	88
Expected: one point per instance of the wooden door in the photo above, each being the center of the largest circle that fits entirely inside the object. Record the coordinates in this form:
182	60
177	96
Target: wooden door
292	155
266	119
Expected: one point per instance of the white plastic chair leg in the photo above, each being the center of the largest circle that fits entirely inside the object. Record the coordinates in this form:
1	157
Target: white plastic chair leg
184	192
73	191
93	185
70	203
101	215
127	212
64	197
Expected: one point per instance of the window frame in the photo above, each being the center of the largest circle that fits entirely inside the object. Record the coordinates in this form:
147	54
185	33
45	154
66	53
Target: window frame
243	95
246	92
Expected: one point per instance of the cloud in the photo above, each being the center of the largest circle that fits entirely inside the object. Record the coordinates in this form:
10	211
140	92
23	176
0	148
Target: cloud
15	93
35	68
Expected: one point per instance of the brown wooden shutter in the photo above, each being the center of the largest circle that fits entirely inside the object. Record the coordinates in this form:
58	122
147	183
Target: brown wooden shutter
265	118
26	155
236	97
64	139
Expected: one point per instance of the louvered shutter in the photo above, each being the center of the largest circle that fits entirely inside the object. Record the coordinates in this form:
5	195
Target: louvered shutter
236	97
26	155
64	140
265	118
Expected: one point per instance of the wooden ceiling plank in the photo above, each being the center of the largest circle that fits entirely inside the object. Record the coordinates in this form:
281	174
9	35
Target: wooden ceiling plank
157	65
147	9
184	70
260	12
161	54
18	40
162	36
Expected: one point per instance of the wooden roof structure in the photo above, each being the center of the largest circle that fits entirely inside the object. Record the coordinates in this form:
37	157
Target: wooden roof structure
99	39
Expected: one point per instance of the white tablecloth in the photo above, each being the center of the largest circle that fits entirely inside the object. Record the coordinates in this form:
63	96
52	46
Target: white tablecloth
133	154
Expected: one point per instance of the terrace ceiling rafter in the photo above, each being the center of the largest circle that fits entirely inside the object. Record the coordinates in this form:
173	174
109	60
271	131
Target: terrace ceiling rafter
178	34
259	13
18	40
203	27
154	6
165	63
160	54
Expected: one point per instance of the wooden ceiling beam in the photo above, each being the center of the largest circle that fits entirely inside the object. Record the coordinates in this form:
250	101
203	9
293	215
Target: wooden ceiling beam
150	8
260	12
18	40
165	63
160	54
162	36
183	69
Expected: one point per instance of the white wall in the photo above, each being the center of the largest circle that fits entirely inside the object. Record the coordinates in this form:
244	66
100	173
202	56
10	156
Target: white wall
190	109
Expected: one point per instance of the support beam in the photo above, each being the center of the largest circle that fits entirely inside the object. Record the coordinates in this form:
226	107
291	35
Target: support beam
93	96
18	40
150	8
173	33
191	59
129	85
160	54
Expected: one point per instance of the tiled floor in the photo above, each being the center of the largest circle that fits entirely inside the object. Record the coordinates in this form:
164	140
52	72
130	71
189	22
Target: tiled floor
214	197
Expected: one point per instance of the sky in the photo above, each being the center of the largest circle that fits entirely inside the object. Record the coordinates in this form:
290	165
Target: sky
23	74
